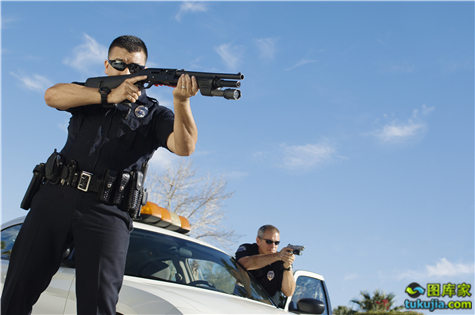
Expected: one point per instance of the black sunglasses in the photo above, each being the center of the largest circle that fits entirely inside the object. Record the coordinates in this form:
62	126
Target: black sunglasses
270	241
120	65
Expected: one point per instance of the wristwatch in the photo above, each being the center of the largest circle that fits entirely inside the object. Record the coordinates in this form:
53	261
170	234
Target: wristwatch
104	91
288	269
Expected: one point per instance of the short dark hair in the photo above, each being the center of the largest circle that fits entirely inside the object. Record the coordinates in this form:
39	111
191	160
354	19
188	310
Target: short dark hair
264	228
130	43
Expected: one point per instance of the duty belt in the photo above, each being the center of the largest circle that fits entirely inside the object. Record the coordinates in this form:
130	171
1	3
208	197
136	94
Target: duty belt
82	180
124	189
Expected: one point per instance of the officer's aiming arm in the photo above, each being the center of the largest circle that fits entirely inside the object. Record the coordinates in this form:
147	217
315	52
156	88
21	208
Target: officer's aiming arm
210	84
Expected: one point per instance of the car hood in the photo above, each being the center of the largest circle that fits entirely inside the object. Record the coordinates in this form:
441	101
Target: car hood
160	297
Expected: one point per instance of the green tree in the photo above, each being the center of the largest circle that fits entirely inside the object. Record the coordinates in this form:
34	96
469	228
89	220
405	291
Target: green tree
343	310
379	302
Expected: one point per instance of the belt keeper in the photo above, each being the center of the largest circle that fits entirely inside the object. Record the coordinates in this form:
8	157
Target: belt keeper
74	180
64	175
72	167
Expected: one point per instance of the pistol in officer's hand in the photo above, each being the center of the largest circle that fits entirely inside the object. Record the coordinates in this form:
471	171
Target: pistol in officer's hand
296	249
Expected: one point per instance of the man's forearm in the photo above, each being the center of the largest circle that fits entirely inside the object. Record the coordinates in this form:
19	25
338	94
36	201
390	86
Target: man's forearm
68	95
288	283
258	261
184	128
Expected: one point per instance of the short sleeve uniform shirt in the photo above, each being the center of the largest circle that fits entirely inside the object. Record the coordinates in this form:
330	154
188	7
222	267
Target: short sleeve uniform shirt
270	276
117	138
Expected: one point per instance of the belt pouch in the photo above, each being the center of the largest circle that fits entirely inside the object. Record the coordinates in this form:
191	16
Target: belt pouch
36	180
72	177
107	189
119	193
53	167
134	201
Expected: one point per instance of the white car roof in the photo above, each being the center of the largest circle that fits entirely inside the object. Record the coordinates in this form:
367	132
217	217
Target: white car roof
160	230
139	225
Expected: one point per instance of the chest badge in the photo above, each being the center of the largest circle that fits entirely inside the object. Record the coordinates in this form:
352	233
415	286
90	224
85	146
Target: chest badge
141	111
270	275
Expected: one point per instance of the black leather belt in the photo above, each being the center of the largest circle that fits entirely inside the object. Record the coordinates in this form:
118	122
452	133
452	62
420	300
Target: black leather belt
82	180
124	189
88	182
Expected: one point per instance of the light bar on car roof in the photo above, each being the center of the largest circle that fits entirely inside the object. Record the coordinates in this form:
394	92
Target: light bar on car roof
155	215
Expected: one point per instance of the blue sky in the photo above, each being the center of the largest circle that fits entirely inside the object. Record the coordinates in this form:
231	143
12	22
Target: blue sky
354	134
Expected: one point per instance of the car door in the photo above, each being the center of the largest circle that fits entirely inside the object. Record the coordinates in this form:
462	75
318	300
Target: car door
53	299
309	285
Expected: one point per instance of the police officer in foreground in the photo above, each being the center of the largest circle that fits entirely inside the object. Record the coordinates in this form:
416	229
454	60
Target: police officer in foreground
92	187
272	268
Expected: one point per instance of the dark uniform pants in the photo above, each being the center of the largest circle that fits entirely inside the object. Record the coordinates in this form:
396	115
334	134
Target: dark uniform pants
61	216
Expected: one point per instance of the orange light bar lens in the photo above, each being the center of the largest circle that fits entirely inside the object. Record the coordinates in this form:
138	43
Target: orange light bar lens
161	217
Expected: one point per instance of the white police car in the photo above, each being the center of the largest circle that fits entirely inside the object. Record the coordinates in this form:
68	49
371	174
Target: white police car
168	272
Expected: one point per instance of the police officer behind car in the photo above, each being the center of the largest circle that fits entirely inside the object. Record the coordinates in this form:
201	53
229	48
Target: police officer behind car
271	268
89	188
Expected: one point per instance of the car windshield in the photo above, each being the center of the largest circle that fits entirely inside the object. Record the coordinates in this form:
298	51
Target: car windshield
163	257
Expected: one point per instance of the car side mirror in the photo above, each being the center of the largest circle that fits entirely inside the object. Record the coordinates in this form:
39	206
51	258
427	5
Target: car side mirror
308	306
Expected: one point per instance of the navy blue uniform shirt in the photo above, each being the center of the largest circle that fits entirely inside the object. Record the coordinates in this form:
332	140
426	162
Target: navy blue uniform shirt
270	276
117	138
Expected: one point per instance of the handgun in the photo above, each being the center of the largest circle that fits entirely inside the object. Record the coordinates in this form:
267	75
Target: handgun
296	249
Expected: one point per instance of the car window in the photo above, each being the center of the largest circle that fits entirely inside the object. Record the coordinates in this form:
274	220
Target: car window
167	258
308	287
8	239
207	273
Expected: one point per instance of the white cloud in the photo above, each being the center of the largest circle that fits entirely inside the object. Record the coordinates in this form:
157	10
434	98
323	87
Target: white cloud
426	110
64	126
162	160
398	132
231	55
303	157
163	94
189	6
300	63
394	132
442	268
34	82
88	56
445	268
266	47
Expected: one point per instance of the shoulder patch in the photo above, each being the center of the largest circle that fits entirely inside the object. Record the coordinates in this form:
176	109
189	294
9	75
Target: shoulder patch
241	248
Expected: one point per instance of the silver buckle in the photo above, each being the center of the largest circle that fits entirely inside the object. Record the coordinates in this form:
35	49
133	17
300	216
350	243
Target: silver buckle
84	180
